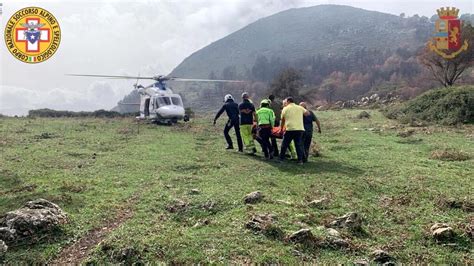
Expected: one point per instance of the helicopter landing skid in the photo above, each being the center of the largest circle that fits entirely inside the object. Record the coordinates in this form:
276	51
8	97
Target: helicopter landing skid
168	122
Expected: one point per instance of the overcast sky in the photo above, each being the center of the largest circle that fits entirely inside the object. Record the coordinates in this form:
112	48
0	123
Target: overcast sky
146	37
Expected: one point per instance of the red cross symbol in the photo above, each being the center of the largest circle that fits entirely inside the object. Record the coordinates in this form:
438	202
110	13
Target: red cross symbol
21	37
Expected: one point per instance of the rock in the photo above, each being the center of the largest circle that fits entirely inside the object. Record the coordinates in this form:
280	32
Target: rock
253	197
301	236
195	191
351	220
338	242
7	234
209	205
319	203
442	232
264	224
468	206
3	249
361	262
406	133
349	104
35	218
363	115
258	222
374	98
470	229
381	256
333	232
202	223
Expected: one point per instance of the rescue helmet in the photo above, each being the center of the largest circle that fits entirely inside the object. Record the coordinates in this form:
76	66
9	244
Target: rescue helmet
228	97
265	102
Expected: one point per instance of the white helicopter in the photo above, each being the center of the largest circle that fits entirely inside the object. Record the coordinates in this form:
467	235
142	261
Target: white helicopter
157	101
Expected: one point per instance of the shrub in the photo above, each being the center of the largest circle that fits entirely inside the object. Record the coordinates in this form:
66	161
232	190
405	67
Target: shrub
55	113
447	106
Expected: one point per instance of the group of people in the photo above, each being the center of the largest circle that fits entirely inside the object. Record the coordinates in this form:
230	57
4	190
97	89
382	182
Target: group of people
292	122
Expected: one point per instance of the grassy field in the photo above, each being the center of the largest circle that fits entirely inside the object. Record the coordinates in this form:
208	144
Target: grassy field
96	168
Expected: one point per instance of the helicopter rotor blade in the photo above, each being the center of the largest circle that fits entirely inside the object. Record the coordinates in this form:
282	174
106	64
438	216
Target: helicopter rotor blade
205	80
111	76
157	78
128	103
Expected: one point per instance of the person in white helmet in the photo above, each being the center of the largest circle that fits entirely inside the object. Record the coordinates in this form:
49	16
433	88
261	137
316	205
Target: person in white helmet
232	110
247	117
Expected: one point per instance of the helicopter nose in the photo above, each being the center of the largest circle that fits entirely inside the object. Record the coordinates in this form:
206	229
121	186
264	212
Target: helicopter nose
171	111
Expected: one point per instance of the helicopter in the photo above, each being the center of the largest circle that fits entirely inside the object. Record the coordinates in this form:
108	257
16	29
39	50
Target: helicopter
157	101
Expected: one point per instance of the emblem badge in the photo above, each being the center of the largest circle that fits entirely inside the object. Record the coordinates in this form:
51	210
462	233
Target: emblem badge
447	37
32	35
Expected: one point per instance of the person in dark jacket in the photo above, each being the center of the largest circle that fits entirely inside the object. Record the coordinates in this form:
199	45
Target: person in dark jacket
276	107
308	120
247	117
232	110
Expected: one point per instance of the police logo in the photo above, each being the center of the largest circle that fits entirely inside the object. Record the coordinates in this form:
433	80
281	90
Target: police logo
447	39
32	35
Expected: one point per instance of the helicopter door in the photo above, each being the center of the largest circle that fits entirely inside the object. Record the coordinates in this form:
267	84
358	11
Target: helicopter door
147	107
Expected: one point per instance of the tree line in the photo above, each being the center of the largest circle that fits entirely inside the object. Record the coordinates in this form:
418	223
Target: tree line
405	71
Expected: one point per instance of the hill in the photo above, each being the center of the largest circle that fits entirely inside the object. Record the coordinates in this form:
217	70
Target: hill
326	30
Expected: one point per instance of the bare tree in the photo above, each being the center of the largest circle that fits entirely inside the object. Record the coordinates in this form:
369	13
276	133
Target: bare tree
287	83
448	71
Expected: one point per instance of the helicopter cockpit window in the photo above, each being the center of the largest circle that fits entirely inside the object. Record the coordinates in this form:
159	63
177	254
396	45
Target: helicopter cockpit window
163	101
176	101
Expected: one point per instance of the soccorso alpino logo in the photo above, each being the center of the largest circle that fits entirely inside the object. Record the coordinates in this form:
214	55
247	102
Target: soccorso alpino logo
32	35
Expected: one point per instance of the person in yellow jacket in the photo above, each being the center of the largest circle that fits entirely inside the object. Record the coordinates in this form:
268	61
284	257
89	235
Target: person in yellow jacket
291	147
292	120
265	123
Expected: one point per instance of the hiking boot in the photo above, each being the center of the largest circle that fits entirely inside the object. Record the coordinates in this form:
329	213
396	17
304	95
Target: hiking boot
229	148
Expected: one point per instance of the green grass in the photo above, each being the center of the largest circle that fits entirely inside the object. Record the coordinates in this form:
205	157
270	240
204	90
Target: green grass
391	181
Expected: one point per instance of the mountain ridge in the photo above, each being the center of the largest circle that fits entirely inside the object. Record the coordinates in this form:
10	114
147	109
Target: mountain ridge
300	32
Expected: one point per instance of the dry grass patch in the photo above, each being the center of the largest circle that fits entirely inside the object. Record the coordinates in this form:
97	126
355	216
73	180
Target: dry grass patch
449	155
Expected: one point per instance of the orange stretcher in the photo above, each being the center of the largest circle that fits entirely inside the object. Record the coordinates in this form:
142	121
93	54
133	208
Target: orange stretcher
277	132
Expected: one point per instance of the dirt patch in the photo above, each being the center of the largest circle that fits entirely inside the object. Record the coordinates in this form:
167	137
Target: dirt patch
45	135
449	203
449	155
68	186
177	206
25	188
78	251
